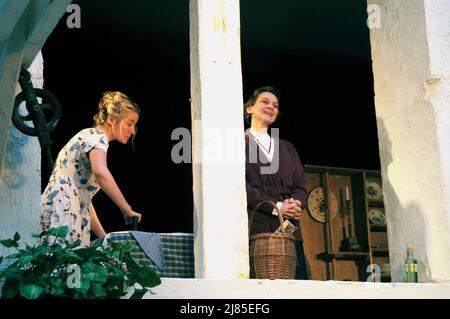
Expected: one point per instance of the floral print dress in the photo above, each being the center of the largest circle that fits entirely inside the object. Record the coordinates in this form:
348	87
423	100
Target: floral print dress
68	195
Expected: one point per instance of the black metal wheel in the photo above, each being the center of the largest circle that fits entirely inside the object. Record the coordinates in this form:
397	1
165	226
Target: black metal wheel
49	106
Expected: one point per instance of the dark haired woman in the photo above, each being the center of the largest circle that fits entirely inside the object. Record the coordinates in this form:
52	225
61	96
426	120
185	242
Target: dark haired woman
274	171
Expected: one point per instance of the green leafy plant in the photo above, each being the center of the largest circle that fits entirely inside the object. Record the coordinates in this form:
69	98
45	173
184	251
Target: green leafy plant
66	270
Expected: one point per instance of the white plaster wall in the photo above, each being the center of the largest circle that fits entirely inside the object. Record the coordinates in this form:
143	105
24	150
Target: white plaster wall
20	177
411	130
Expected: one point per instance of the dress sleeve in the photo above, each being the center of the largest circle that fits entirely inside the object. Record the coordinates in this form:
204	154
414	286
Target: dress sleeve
93	140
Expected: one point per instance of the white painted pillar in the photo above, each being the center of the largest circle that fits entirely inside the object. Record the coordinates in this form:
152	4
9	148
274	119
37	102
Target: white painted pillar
11	56
220	217
411	66
20	176
437	17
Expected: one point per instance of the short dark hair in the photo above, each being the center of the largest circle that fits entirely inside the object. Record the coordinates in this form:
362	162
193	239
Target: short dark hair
252	99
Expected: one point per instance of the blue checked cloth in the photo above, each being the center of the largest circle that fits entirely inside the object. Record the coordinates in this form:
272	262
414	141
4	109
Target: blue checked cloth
176	249
150	243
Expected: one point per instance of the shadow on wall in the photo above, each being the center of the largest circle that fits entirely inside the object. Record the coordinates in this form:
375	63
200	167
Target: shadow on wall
10	176
406	224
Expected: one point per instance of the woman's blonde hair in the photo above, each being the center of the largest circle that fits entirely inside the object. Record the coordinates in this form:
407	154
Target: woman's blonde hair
115	104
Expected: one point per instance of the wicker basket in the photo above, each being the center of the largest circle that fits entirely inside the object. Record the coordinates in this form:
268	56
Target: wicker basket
272	255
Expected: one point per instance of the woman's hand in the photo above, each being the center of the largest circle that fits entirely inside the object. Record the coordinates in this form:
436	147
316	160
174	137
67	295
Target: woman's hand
291	209
130	215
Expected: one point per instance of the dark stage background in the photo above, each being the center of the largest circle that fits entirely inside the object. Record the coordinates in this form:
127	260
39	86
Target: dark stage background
316	52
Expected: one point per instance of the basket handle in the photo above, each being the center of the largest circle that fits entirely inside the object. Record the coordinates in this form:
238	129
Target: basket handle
280	218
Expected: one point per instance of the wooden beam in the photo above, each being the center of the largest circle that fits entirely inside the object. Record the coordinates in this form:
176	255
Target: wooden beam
44	18
10	13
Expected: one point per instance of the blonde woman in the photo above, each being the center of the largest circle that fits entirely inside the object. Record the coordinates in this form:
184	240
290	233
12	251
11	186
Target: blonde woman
81	170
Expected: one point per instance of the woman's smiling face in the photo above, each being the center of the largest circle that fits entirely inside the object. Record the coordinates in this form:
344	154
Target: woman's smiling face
265	110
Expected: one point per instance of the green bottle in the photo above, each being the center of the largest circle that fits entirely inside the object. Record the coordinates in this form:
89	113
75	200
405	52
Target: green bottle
410	266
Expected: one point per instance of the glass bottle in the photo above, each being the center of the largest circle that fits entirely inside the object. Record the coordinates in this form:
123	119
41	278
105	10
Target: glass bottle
410	265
